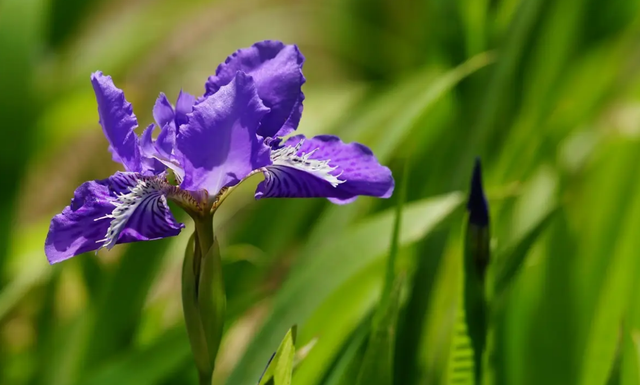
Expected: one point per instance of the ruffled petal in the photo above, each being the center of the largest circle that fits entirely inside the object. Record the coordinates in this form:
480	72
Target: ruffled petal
276	69
125	207
219	145
184	105
324	166
118	121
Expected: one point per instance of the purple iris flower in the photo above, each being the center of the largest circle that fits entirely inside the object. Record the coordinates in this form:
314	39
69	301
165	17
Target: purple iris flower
210	144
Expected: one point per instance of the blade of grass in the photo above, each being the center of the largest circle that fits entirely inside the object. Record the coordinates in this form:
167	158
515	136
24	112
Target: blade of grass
377	365
378	361
280	367
513	258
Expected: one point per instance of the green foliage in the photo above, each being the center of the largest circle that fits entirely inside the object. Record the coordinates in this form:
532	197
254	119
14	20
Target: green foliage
546	93
280	367
377	363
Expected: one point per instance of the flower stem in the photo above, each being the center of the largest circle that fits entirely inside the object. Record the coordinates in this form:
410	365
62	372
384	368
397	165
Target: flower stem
206	238
191	310
211	291
203	295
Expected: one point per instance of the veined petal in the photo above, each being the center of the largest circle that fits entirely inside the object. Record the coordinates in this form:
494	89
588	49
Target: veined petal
125	207
276	69
219	145
324	166
118	121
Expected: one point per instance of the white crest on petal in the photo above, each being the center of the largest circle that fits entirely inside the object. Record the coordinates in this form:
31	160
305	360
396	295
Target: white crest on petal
126	205
288	156
173	166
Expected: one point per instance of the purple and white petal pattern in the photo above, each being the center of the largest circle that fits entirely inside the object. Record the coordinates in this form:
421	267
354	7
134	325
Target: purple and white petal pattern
117	121
324	166
122	208
219	145
276	69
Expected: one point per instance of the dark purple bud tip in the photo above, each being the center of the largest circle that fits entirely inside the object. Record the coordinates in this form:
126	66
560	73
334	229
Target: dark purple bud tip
477	205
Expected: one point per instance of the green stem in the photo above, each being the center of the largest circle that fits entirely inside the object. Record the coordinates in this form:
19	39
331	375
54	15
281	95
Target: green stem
205	237
191	310
211	290
203	295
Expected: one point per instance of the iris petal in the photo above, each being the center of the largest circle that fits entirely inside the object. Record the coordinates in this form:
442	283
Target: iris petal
90	222
166	141
184	105
118	121
149	154
324	166
276	69
219	145
163	112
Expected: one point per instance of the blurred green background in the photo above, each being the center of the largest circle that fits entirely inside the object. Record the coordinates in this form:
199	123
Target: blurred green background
546	92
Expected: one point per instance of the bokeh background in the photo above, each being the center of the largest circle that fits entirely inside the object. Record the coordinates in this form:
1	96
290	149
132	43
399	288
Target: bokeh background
546	92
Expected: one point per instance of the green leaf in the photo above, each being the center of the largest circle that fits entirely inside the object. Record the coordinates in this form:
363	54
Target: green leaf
280	368
377	365
633	377
333	264
413	334
118	310
511	54
619	278
512	260
349	307
347	366
378	360
147	366
615	376
462	360
21	36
